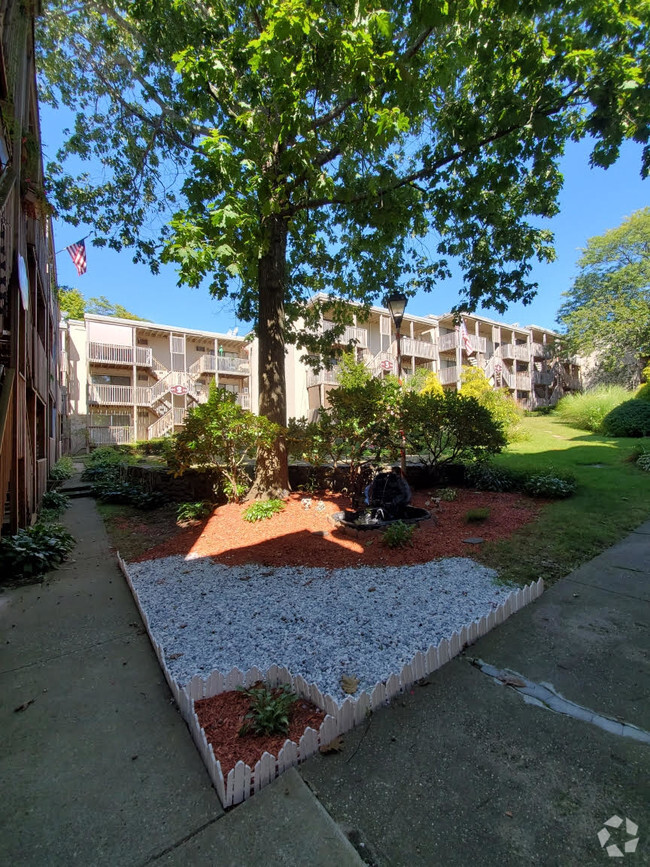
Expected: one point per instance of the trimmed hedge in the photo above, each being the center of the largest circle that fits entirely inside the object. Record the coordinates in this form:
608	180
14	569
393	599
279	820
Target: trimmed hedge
629	419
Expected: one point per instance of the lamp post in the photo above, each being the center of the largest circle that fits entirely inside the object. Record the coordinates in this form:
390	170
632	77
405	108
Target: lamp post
396	303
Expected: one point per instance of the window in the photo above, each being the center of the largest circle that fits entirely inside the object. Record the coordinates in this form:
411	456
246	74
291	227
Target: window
109	379
200	348
110	419
142	341
142	377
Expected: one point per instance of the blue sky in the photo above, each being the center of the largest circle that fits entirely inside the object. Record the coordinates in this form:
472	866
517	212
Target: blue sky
592	201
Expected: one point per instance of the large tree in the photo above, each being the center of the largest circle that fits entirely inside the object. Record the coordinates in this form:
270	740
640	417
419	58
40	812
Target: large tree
607	311
349	147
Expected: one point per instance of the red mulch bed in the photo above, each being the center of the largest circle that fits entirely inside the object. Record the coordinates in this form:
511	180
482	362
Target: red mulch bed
307	537
222	716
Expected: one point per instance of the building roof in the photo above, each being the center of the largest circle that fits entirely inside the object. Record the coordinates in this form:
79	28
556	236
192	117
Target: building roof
156	326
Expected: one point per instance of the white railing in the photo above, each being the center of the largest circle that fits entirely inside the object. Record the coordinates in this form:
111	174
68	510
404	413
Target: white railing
112	353
383	362
418	348
448	375
514	350
122	395
104	436
161	426
244	400
323	377
451	341
223	364
350	332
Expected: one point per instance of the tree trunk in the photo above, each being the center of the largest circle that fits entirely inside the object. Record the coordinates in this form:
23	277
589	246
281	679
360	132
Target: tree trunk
272	470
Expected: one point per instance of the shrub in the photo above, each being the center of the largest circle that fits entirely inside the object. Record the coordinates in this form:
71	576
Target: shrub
35	550
399	535
485	477
475	516
55	501
262	509
269	709
157	446
193	511
442	429
629	419
643	462
447	494
643	391
588	409
550	485
108	487
221	434
63	469
498	401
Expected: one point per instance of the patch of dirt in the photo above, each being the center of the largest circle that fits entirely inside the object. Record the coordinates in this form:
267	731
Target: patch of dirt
222	716
307	537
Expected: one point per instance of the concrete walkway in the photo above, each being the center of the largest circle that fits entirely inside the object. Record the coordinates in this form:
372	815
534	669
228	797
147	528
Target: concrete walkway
98	768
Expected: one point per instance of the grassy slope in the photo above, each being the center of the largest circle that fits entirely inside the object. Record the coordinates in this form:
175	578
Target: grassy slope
611	500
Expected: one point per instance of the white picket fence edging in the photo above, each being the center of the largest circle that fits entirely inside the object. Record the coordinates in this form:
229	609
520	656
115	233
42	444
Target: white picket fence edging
243	781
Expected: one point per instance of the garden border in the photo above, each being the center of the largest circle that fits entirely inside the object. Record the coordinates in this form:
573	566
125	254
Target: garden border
243	781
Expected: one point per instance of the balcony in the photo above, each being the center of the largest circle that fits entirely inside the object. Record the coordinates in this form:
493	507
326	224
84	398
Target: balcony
540	350
514	350
112	353
110	436
449	342
416	348
219	364
448	375
522	381
116	395
350	333
323	377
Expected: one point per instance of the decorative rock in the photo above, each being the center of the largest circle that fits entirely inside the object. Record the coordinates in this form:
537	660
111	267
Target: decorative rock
474	540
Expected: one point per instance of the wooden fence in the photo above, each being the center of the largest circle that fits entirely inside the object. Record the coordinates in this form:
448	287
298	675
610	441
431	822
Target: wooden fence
243	781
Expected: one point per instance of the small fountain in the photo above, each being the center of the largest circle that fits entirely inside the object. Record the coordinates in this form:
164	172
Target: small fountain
387	499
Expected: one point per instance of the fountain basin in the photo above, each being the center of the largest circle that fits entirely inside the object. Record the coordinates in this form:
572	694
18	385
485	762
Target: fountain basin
365	519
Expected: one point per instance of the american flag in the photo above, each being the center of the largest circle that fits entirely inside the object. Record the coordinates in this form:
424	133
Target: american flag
467	344
78	255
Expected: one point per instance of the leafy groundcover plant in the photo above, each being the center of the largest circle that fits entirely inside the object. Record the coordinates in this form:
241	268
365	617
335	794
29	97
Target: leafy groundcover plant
269	709
262	509
399	535
35	550
193	511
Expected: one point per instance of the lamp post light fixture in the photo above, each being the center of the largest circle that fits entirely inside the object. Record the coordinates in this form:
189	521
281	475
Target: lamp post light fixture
396	303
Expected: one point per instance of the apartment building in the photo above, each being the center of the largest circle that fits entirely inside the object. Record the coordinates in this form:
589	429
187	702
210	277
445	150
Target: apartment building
130	380
523	360
30	398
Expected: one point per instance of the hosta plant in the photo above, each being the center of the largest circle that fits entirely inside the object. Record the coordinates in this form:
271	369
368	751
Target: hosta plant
262	509
269	709
34	550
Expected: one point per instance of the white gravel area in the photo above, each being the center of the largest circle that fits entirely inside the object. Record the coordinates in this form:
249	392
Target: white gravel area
320	623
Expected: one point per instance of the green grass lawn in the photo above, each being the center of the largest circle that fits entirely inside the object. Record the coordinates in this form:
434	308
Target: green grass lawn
613	498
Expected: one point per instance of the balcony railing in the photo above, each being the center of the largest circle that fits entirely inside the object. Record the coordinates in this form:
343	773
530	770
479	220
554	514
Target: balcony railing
350	332
112	353
514	350
219	363
542	377
323	377
41	379
522	381
108	436
417	348
119	395
448	375
451	341
540	350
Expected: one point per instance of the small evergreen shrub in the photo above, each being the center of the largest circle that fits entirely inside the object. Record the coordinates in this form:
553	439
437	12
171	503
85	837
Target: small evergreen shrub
269	709
35	550
262	509
550	485
193	511
62	470
629	419
476	516
399	535
588	409
55	501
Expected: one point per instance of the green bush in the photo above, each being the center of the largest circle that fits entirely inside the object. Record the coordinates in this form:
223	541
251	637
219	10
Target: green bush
35	550
447	494
262	509
193	511
643	462
498	401
476	516
550	485
485	477
399	535
63	469
588	409
629	419
110	488
269	709
55	501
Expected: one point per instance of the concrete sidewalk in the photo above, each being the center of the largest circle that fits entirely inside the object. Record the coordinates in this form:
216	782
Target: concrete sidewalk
98	768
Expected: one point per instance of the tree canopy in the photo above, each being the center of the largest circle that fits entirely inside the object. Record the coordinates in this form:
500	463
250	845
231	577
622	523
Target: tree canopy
276	149
607	311
72	302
